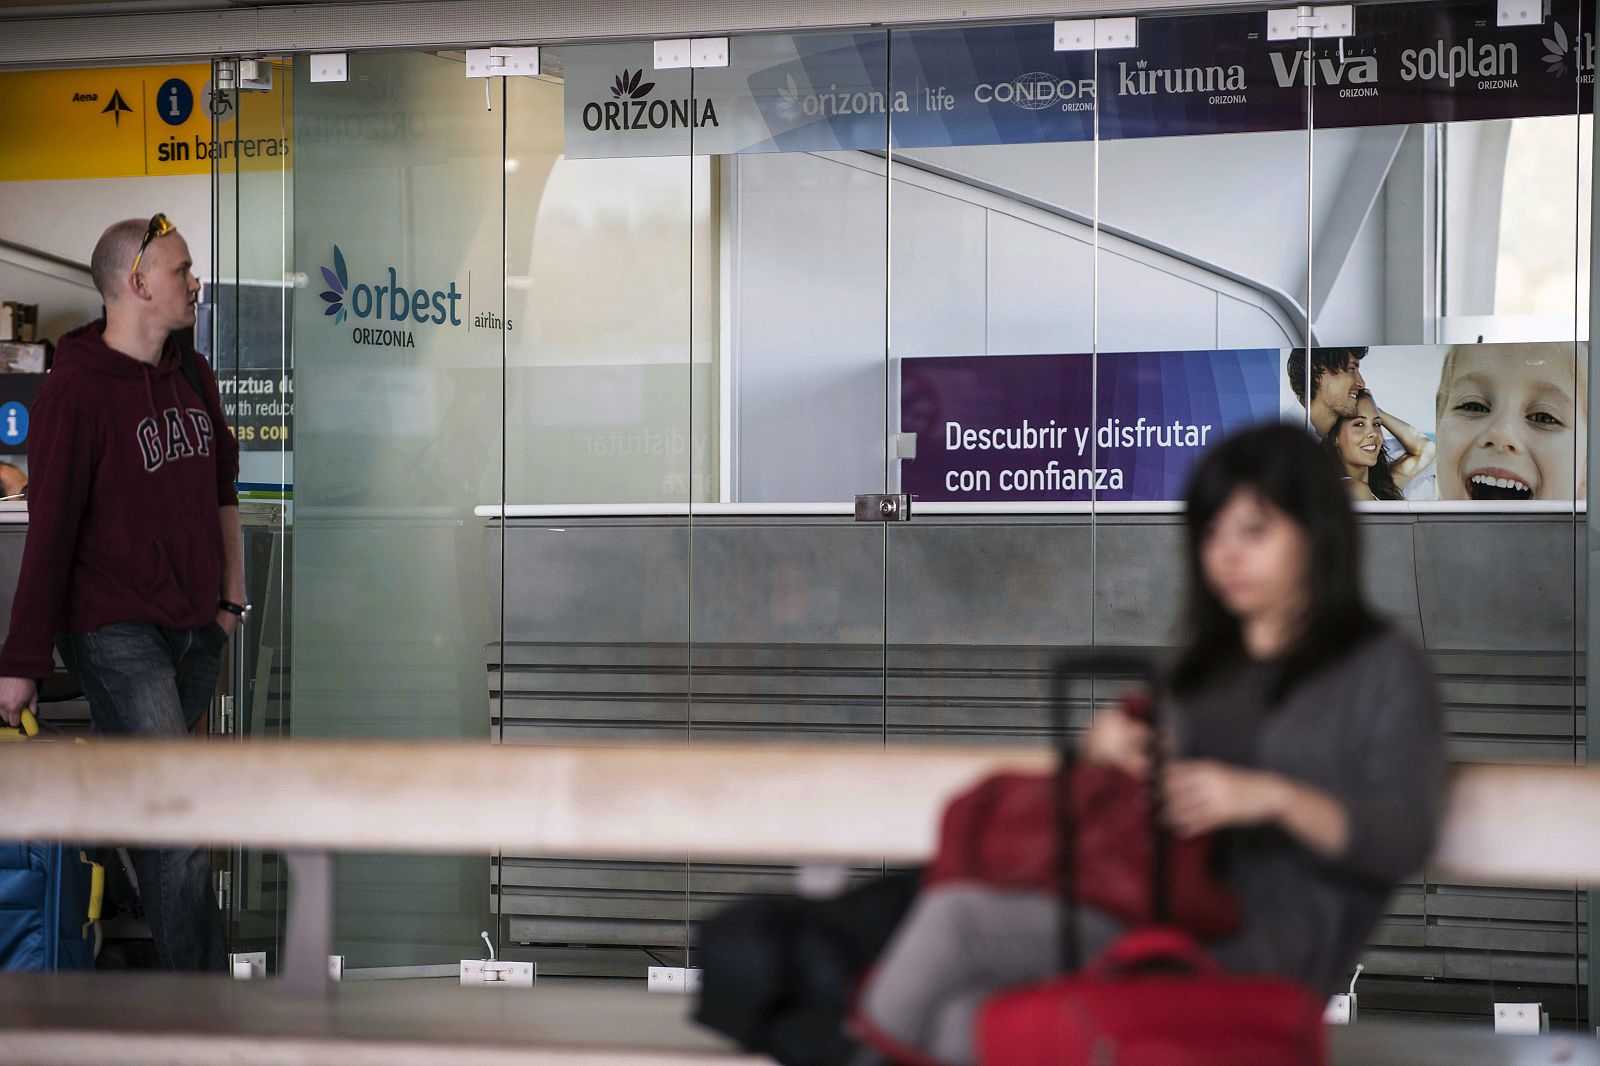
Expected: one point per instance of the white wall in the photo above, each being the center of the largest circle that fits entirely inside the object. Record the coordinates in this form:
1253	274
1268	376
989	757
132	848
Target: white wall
65	218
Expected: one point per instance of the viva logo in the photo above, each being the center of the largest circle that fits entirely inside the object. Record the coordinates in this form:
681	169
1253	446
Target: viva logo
391	303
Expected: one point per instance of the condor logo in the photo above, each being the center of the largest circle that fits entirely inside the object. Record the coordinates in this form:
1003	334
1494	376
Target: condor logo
631	108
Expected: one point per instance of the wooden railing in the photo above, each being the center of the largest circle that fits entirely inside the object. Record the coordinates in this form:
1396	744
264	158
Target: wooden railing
1530	825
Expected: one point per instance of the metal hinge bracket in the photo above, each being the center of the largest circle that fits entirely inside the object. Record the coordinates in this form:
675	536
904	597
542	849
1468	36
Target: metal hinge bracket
1305	22
691	52
499	62
1085	35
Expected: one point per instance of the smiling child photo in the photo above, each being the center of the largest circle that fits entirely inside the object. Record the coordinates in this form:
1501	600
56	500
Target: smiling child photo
1512	420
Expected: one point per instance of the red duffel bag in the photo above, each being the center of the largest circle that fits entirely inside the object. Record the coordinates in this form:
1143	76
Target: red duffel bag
1154	998
1002	833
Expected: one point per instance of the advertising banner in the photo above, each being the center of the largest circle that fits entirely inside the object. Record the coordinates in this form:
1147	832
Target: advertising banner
1188	75
1495	424
250	324
811	93
1488	423
1022	427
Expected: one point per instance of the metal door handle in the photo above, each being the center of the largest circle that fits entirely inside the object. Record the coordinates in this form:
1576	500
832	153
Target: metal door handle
883	507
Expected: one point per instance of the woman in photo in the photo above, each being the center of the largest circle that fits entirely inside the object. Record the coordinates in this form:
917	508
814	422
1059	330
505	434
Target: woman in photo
1308	738
1369	471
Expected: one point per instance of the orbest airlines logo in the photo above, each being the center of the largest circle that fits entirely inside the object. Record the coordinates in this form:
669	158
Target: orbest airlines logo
392	302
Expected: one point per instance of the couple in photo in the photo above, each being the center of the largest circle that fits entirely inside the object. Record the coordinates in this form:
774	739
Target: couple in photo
1509	420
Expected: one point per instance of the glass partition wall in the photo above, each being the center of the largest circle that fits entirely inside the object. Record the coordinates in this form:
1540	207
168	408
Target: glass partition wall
1450	216
245	330
609	234
787	589
593	373
399	245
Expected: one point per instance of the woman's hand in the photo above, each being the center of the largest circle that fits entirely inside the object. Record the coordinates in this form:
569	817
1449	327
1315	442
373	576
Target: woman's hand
1419	449
1114	739
1206	796
1203	797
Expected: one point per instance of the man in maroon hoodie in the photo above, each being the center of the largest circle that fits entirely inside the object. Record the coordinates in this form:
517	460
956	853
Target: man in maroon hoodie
133	564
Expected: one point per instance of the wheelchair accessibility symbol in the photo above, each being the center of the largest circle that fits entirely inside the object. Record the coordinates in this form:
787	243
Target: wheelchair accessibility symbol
13	423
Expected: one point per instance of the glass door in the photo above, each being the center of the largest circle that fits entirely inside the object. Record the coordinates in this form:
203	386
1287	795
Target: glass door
245	331
992	316
398	250
1450	253
603	235
791	384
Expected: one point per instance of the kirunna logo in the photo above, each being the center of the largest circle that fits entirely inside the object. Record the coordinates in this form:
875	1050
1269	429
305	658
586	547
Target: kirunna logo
392	302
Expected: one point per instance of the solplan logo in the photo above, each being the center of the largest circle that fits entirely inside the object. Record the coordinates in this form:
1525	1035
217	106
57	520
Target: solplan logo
393	302
1036	91
1491	66
631	108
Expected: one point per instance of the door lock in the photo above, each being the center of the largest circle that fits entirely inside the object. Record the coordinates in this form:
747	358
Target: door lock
883	507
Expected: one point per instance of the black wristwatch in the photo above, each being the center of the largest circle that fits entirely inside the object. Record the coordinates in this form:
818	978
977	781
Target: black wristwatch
238	610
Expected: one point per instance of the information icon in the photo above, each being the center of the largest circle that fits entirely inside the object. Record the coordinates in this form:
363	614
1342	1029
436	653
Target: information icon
13	423
174	101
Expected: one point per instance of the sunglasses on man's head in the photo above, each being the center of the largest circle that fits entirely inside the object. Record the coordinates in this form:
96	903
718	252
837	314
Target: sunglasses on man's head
160	226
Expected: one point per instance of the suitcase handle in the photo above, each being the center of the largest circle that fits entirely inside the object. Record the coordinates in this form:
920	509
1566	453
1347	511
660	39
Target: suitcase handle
1141	705
1159	950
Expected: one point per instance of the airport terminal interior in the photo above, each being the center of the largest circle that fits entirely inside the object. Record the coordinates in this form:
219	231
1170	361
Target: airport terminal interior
597	382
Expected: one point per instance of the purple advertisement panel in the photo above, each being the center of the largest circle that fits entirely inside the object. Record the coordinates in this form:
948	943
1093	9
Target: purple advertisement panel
1021	428
1188	75
1451	63
1434	62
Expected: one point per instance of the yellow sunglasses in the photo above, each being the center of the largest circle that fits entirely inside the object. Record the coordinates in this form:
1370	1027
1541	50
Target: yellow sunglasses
160	226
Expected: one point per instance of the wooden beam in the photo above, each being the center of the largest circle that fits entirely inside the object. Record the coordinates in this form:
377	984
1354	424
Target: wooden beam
769	802
161	1019
1520	824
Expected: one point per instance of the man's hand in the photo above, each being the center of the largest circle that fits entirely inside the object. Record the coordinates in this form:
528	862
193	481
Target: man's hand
227	621
17	694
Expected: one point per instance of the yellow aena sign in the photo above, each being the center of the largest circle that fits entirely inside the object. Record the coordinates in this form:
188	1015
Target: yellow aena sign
137	122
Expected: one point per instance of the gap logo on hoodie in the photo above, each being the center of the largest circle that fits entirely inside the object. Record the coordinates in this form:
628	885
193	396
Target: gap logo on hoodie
164	441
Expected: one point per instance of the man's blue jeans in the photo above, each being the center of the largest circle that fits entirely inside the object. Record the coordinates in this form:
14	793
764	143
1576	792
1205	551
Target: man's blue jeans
145	680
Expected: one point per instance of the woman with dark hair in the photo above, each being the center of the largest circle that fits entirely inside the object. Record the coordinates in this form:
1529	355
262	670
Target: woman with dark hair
1307	735
1357	442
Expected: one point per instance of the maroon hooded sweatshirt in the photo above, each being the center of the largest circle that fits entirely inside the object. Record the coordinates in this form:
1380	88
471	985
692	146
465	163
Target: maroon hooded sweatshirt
126	469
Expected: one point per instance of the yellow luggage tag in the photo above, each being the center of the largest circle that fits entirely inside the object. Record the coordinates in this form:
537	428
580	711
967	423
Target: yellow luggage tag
97	891
26	731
